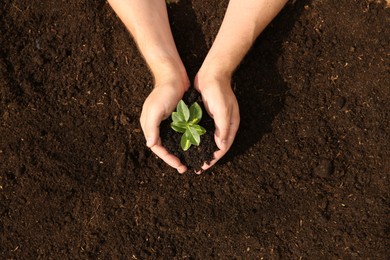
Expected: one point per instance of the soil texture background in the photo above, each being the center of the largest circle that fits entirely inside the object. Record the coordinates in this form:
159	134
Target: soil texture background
307	176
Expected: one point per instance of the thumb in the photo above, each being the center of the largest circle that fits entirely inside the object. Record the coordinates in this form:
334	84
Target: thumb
150	124
222	129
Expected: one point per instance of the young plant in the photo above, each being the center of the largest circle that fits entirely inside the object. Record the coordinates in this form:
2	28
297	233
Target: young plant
185	120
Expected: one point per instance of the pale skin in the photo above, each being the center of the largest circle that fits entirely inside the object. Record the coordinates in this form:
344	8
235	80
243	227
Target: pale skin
147	21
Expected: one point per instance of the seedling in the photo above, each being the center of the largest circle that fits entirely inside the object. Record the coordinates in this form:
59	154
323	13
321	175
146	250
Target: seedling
185	120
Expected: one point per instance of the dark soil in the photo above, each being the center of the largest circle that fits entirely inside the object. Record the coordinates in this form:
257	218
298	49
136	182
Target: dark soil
307	177
196	156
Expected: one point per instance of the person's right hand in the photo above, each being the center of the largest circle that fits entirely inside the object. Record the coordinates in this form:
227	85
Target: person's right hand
157	107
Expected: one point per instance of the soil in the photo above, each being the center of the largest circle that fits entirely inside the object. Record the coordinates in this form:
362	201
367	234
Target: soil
307	176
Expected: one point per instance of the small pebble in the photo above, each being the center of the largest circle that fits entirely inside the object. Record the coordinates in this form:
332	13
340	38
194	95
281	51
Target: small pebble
341	102
323	169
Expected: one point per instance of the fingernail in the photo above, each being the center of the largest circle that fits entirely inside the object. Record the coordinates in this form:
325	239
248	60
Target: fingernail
198	172
181	170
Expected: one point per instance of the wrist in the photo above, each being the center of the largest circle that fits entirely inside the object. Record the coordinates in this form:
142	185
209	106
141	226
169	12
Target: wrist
213	75
168	70
216	67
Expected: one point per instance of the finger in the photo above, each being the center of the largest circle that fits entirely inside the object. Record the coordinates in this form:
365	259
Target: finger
234	125
150	123
222	126
232	134
168	158
217	155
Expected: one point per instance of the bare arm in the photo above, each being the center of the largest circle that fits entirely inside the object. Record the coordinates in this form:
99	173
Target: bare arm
147	21
242	24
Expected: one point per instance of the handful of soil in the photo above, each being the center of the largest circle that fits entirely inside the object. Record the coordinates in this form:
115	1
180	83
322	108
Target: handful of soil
196	156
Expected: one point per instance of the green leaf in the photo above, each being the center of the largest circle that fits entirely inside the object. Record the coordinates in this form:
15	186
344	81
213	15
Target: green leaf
199	129
192	135
195	113
176	117
185	143
184	120
179	126
183	110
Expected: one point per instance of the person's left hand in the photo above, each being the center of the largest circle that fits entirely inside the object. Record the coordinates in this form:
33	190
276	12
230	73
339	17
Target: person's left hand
221	104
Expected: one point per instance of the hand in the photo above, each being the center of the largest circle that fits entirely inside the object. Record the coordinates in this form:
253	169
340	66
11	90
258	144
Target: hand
221	104
157	107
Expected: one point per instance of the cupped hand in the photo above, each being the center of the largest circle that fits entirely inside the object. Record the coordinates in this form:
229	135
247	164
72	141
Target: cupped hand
157	107
221	104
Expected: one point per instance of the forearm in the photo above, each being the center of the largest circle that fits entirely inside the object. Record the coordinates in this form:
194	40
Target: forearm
147	21
242	24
